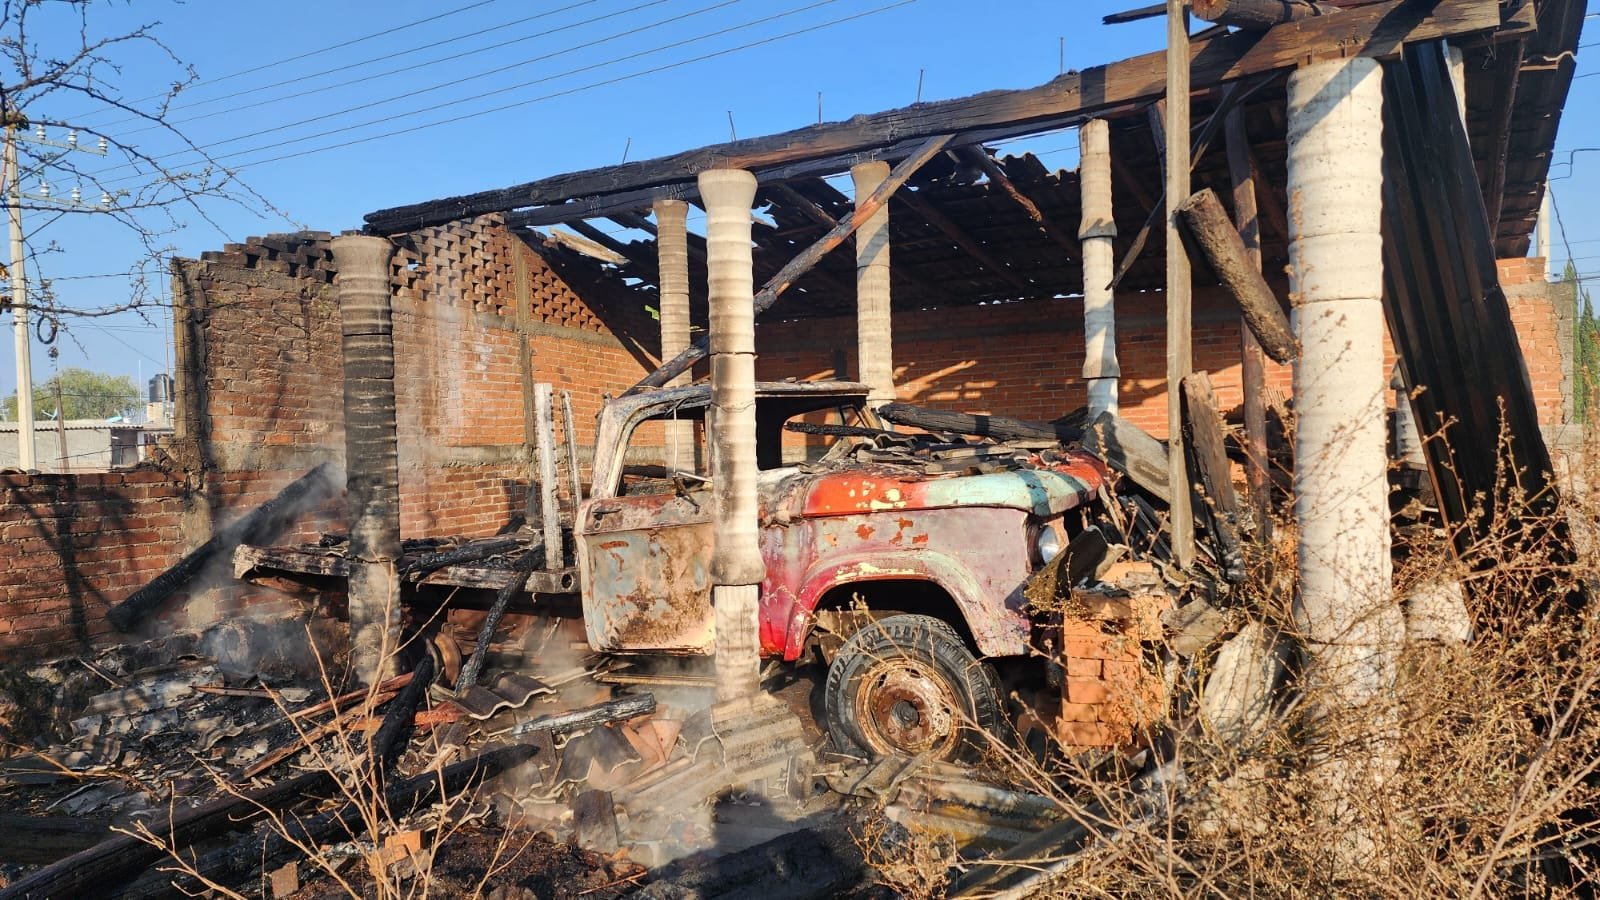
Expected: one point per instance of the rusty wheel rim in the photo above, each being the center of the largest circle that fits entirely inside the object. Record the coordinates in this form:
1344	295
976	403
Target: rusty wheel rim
905	707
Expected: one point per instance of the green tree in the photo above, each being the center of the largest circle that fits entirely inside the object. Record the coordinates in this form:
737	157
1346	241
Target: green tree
84	395
1586	349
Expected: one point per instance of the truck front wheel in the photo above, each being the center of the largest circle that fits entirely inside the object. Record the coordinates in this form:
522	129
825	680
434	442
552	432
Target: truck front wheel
907	685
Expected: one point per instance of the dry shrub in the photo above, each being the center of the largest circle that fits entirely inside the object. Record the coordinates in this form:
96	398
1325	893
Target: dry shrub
912	863
1490	781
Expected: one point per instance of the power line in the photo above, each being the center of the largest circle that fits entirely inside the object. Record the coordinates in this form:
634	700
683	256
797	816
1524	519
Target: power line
310	53
389	57
93	324
414	93
562	93
607	82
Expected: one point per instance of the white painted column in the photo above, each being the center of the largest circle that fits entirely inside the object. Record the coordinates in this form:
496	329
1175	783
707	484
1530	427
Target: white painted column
372	460
736	565
672	258
1345	610
1097	233
874	328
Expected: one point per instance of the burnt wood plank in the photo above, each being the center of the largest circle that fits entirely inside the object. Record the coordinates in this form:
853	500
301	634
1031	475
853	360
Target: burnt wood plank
1224	249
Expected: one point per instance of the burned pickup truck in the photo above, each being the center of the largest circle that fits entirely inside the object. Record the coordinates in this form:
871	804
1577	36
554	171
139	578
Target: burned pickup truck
909	562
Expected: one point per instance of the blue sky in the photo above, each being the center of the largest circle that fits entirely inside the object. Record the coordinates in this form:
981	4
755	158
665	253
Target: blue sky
588	80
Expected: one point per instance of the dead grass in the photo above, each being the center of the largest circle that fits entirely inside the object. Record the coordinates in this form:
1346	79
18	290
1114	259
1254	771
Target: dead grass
1490	778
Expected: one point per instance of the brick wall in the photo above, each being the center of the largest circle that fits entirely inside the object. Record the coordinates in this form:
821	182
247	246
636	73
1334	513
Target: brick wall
1022	359
468	340
70	546
1542	313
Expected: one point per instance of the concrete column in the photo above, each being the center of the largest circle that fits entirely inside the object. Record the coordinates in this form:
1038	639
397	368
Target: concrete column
736	565
1097	233
372	461
874	330
672	253
1345	611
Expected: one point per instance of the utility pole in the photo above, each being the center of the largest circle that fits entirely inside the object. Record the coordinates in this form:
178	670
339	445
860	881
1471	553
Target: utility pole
19	302
19	279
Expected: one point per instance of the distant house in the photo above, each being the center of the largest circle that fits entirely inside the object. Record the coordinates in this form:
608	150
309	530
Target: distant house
92	445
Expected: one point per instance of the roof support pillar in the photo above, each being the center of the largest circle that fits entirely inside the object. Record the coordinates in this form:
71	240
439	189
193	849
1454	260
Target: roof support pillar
1345	610
672	252
1179	352
874	324
372	460
1097	233
736	565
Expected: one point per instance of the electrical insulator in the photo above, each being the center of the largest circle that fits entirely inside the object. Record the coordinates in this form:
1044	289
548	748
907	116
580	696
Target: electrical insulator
72	139
44	189
77	194
102	145
105	199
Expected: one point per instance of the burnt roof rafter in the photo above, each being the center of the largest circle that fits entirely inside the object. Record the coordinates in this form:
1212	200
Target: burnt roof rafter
1376	30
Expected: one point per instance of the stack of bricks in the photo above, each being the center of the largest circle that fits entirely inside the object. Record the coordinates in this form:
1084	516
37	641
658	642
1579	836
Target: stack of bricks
1110	692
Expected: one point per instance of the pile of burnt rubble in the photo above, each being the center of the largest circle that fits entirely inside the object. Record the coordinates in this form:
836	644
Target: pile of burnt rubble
225	761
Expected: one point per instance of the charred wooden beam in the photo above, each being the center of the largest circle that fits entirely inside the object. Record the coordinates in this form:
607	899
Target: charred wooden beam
619	710
998	177
34	840
819	215
233	864
1259	15
623	251
1213	232
1001	428
264	523
1252	360
1135	15
473	552
1510	72
806	260
968	243
519	580
1132	451
118	858
1211	473
1378	30
394	733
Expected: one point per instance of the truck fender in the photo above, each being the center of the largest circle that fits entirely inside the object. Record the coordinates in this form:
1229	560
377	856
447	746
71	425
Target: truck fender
997	630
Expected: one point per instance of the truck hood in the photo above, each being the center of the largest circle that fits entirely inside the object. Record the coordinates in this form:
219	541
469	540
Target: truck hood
1039	485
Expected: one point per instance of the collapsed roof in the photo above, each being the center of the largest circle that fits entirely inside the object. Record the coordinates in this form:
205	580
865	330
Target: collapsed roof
979	226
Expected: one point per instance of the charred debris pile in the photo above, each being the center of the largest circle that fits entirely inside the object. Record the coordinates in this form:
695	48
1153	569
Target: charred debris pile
246	758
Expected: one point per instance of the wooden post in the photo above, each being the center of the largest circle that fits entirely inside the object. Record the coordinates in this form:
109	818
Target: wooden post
571	432
1253	362
549	510
1179	358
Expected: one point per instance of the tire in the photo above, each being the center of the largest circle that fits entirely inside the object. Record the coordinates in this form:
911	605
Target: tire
906	685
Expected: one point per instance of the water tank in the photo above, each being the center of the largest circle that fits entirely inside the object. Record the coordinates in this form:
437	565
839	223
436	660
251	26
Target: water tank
161	388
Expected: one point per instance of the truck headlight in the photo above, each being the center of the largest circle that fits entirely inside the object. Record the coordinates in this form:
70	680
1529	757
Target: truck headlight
1046	543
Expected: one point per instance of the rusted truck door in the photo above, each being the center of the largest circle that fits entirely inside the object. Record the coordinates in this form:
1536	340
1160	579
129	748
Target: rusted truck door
647	571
